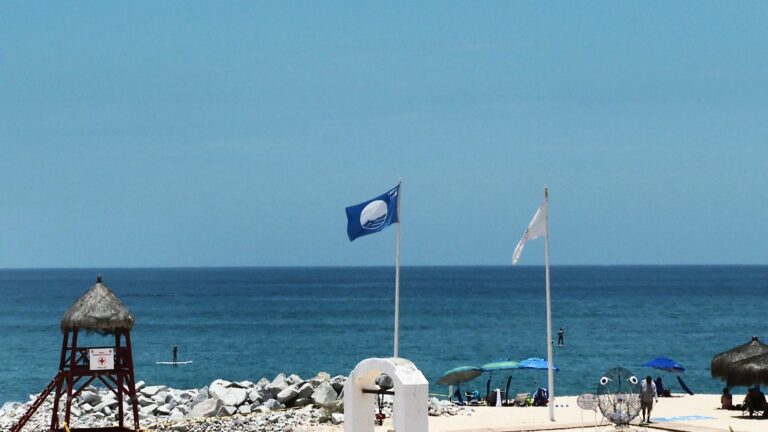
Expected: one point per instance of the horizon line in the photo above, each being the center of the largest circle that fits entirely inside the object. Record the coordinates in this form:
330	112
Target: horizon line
224	267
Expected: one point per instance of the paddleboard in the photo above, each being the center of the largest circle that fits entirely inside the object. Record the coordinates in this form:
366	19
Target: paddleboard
174	363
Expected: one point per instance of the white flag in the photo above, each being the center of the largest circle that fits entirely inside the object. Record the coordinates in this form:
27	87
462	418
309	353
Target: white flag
536	229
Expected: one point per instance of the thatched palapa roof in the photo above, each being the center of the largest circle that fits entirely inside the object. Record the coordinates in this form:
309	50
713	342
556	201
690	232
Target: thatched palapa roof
97	310
724	365
750	371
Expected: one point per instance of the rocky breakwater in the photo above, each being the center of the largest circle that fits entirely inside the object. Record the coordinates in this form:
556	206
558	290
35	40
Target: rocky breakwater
283	404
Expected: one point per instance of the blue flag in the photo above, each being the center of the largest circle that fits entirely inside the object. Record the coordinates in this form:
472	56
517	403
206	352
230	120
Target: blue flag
373	215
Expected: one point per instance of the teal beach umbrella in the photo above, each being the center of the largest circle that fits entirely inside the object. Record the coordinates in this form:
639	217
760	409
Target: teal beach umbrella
503	365
459	375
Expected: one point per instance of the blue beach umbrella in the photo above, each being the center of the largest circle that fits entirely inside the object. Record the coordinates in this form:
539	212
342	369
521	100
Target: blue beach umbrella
668	365
665	364
536	363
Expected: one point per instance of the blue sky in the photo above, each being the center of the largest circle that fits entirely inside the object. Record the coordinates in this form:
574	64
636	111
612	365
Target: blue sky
235	133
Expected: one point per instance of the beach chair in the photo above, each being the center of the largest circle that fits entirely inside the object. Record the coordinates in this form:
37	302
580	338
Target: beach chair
473	398
755	409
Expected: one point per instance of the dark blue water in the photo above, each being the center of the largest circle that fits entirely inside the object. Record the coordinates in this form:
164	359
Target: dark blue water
252	322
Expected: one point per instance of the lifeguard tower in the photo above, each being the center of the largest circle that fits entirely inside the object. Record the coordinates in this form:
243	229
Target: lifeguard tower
98	310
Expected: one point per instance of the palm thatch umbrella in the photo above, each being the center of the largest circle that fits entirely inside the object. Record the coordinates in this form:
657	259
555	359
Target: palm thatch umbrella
724	365
750	371
98	310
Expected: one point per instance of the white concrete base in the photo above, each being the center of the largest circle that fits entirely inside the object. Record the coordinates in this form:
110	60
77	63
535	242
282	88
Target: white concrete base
411	389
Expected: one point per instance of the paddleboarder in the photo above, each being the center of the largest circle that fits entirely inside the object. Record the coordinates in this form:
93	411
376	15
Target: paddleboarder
560	336
175	355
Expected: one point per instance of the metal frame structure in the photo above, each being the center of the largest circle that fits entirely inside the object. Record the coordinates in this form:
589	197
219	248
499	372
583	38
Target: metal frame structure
74	367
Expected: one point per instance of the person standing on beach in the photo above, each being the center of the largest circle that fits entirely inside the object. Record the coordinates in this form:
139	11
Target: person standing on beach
647	396
560	335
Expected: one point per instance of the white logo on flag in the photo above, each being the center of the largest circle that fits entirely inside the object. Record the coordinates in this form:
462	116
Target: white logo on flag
373	215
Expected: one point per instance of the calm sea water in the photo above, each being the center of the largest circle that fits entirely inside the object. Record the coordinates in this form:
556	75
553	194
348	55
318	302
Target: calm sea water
246	323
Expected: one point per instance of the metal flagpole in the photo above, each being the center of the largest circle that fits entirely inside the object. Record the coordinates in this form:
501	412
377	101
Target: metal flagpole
397	266
550	371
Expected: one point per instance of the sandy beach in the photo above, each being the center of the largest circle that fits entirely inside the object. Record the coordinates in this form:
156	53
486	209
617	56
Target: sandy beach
679	413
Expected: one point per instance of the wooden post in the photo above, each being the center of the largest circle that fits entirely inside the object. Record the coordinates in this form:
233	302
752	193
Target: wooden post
70	378
119	371
57	393
132	382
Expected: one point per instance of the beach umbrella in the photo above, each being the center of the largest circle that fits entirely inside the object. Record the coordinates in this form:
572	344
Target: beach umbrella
536	363
500	366
749	371
665	364
460	375
724	364
503	365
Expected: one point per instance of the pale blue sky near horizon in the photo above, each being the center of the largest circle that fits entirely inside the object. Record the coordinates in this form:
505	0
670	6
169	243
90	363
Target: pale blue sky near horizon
154	134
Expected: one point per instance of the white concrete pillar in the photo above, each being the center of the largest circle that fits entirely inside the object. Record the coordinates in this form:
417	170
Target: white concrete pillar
410	410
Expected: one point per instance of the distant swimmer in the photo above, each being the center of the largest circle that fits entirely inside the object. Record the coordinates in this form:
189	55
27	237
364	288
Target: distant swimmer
560	336
175	355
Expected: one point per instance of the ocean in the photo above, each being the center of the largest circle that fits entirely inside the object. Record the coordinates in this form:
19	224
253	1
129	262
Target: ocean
248	323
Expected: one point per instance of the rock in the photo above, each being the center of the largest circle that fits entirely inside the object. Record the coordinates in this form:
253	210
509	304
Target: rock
164	409
305	390
324	394
148	410
288	394
140	385
320	378
10	406
337	418
272	404
206	408
90	397
277	385
246	384
150	391
301	402
337	406
226	410
294	379
144	401
230	393
187	395
255	395
176	414
231	396
338	383
245	409
218	385
261	409
108	403
201	395
160	397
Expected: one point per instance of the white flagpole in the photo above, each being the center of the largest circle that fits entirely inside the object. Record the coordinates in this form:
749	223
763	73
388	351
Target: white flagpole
397	267
550	371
